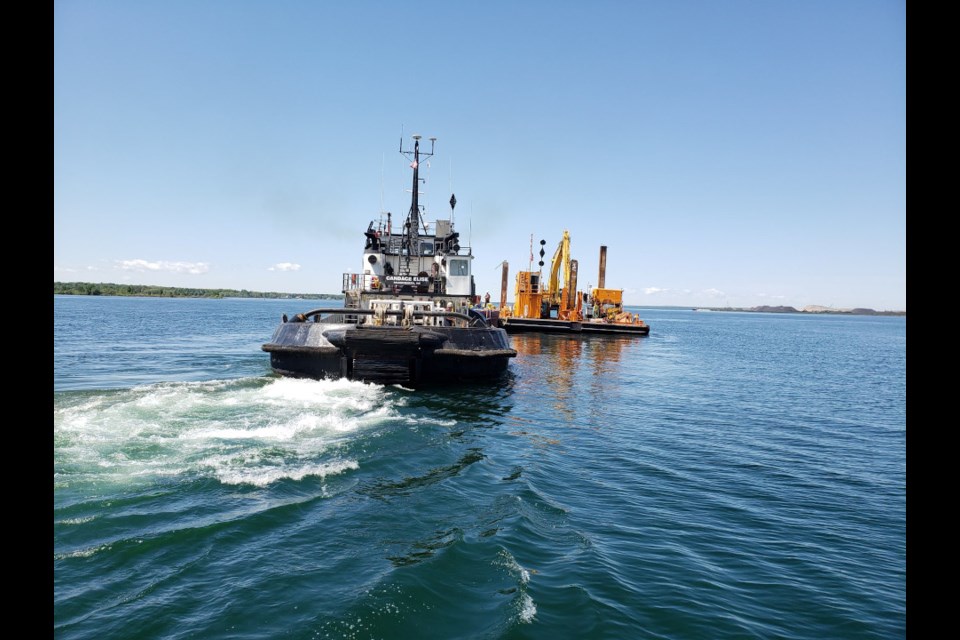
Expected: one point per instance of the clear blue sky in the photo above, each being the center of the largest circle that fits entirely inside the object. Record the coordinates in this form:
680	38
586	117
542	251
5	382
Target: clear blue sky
732	153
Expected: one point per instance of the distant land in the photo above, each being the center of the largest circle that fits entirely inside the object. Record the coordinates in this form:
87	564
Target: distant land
859	311
151	291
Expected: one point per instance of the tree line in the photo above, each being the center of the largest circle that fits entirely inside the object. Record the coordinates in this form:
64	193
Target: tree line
152	291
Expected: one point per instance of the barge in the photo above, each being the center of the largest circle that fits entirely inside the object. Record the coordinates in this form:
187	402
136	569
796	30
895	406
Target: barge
555	305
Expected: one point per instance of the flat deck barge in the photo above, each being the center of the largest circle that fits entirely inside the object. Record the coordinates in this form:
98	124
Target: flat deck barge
553	325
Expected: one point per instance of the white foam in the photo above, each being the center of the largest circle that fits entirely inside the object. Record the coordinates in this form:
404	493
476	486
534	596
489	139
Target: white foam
261	477
508	562
528	609
417	420
82	520
82	553
239	431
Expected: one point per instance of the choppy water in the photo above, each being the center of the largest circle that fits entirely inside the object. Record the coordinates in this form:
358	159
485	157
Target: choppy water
732	475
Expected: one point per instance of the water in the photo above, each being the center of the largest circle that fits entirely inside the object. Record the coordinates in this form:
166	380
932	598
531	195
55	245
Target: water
733	475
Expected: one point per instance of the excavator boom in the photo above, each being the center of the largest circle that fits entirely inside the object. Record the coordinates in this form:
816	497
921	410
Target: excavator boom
561	260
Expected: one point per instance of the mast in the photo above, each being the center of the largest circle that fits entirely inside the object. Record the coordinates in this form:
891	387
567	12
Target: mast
413	217
411	230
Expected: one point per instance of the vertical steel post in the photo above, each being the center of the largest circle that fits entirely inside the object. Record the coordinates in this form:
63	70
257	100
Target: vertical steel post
503	285
602	278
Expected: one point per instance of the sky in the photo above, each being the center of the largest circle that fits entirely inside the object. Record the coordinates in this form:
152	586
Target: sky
737	153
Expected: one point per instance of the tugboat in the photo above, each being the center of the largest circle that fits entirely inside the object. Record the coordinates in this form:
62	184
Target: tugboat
409	314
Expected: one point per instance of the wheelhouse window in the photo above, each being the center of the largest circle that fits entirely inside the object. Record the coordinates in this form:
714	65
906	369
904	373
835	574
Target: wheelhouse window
459	268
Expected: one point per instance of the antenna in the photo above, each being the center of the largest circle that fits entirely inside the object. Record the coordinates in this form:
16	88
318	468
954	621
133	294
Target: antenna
426	192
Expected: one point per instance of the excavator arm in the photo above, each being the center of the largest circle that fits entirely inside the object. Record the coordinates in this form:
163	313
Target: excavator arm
561	259
564	299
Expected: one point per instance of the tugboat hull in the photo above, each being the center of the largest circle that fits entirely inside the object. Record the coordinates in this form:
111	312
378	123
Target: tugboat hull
389	355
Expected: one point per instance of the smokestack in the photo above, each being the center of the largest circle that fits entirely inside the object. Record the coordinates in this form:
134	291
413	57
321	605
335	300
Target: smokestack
602	279
503	285
571	287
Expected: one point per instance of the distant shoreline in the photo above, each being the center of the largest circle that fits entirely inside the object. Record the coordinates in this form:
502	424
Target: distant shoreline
153	291
816	311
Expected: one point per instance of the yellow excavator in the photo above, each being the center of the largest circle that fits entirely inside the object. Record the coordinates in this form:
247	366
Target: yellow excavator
534	299
561	295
